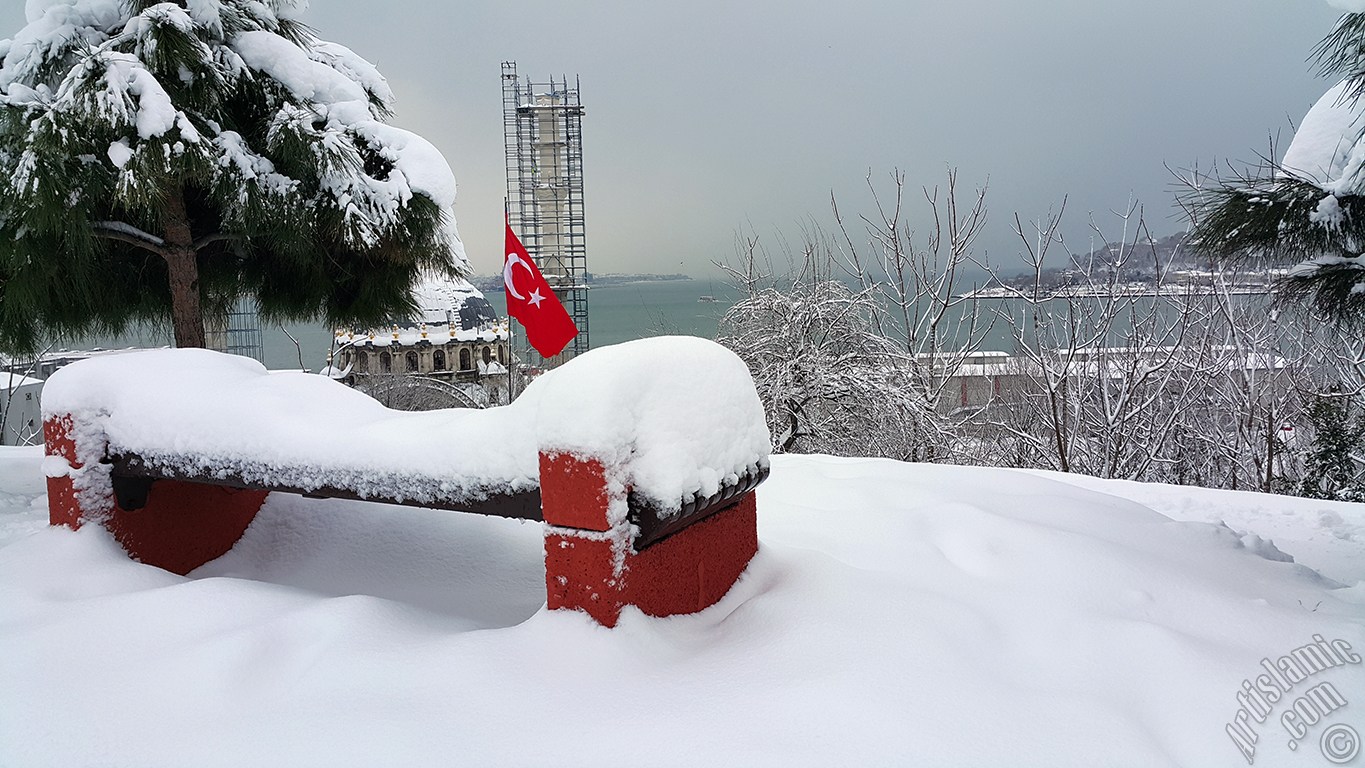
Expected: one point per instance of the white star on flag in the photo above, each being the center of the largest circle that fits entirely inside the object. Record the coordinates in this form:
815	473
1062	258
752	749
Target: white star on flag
536	298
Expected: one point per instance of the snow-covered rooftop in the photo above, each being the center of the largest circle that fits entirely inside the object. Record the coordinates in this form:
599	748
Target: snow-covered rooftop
448	309
17	381
411	335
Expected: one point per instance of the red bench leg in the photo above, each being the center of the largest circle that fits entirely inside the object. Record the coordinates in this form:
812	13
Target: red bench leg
591	566
181	527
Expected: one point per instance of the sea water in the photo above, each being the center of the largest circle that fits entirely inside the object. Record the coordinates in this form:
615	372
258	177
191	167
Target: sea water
617	312
620	312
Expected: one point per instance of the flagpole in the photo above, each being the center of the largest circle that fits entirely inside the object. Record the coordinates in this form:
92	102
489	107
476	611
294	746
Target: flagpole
511	348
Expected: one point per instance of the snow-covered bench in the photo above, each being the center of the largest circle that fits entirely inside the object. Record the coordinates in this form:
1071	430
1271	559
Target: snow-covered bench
641	459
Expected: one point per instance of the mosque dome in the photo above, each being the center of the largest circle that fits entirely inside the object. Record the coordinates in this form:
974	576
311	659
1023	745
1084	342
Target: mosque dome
444	301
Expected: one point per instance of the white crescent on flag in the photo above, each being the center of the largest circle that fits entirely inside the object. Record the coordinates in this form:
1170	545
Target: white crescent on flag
513	260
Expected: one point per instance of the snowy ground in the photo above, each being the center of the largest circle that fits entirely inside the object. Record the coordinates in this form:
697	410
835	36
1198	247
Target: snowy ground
896	614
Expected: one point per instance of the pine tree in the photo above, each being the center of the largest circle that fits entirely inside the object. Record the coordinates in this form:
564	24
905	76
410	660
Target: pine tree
1308	210
1330	468
162	159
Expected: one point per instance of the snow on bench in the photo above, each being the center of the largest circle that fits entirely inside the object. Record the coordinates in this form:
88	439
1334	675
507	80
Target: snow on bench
640	458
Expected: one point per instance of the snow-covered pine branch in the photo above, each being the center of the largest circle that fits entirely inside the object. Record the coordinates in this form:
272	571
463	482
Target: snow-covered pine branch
216	142
1306	210
118	230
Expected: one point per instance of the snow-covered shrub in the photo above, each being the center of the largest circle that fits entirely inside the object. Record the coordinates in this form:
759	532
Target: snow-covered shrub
830	382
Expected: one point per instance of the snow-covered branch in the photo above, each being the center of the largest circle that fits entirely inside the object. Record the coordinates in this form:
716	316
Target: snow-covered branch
213	238
127	233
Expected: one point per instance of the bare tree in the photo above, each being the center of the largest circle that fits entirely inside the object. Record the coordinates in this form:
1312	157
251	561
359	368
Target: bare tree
916	277
417	392
1100	362
854	345
829	381
869	345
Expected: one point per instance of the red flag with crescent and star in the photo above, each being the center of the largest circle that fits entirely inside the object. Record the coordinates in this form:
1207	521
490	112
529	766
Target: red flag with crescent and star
530	300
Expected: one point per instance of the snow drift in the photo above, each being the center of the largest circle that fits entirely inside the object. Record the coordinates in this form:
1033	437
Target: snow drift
896	615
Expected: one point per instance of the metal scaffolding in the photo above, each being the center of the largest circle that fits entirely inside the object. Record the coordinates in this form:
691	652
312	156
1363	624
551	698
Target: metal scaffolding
238	332
543	137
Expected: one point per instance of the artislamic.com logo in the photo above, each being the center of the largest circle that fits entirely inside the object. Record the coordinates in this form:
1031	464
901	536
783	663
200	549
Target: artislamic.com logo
1299	714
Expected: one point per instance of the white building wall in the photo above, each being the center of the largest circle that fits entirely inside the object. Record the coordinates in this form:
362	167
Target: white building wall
20	411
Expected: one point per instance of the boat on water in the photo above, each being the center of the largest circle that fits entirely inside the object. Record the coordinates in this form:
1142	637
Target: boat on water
709	298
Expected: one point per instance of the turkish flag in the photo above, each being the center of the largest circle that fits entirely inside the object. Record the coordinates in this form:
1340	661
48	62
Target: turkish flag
530	300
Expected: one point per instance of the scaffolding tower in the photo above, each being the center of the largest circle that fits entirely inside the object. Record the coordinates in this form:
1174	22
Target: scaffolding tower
238	332
543	137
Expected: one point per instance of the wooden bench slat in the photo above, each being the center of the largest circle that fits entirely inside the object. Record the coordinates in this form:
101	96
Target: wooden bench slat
132	477
126	467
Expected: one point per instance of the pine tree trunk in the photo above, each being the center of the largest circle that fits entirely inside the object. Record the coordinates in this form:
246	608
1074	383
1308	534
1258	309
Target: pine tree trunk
187	318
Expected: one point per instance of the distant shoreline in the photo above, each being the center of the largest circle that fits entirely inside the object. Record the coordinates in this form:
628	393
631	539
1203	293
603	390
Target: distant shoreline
597	279
602	278
1141	290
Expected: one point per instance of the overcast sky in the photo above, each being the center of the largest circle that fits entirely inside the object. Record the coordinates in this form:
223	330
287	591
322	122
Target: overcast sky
704	118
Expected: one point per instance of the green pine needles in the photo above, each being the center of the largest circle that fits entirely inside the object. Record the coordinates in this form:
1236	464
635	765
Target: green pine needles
160	160
1307	213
